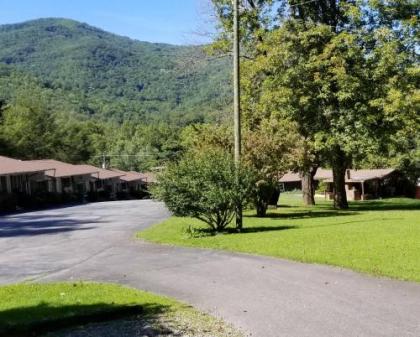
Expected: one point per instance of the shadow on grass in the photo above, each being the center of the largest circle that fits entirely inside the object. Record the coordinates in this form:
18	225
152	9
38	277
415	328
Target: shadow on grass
305	214
206	232
43	318
284	206
385	205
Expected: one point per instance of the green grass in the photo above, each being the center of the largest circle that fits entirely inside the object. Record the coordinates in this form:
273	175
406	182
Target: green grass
24	307
376	237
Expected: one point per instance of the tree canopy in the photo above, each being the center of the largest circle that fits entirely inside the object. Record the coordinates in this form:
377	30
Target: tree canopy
343	71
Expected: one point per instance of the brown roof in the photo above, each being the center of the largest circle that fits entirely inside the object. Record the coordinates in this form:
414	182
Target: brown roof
10	166
326	175
130	176
322	174
366	174
290	177
61	169
102	173
148	177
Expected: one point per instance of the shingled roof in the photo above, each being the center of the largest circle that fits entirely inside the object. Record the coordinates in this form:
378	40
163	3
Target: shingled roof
61	169
293	177
327	176
130	176
102	173
290	177
365	175
148	177
10	166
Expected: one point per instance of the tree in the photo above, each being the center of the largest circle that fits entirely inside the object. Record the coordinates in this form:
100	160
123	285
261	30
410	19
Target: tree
204	186
28	125
268	151
79	141
339	70
143	146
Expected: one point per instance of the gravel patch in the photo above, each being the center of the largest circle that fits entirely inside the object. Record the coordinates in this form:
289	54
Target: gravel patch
179	324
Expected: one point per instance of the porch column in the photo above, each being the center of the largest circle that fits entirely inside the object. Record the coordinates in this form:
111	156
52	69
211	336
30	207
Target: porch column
363	190
28	186
8	184
50	186
58	185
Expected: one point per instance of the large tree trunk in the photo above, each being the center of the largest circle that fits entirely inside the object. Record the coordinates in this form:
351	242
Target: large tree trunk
308	186
339	166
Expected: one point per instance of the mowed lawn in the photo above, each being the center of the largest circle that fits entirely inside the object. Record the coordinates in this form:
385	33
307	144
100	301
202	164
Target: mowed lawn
376	237
28	309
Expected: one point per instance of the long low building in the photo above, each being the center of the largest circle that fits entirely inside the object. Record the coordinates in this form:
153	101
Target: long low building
360	184
65	178
52	181
104	181
131	182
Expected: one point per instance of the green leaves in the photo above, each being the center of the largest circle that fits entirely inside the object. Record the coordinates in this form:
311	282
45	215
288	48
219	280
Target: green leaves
205	186
115	78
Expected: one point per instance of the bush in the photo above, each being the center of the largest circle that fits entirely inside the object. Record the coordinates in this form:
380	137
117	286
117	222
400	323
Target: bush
265	193
204	186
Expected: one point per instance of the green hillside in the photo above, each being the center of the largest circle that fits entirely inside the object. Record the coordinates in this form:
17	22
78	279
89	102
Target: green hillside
114	77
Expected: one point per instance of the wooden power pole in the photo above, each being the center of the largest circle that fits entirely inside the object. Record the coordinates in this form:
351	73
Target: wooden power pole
236	100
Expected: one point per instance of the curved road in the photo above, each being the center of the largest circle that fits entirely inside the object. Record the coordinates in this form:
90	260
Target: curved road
261	296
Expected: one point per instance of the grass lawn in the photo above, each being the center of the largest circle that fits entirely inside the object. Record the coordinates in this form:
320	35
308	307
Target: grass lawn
376	237
30	307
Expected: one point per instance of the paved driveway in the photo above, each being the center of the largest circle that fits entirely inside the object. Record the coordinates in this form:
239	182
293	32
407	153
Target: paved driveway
263	296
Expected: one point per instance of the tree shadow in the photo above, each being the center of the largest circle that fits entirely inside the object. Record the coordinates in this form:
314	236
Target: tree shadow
44	318
385	205
206	232
258	229
31	225
304	214
41	209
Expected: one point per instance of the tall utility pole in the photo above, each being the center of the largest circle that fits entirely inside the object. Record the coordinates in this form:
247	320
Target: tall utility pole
236	100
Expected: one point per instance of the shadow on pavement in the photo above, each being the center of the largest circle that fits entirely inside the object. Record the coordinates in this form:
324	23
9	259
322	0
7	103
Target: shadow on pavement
42	224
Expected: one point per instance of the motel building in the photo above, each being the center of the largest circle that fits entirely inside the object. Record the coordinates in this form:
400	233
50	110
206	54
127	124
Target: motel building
65	178
131	182
39	183
21	177
105	181
360	184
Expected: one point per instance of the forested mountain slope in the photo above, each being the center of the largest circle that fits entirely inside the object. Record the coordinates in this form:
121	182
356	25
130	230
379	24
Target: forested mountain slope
114	77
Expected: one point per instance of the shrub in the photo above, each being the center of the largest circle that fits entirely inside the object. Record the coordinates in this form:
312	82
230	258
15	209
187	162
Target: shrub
205	186
264	193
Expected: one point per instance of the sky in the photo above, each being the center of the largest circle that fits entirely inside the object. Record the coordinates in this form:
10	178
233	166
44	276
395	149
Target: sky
166	21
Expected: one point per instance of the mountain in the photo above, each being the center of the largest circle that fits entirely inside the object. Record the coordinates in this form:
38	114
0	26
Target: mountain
114	77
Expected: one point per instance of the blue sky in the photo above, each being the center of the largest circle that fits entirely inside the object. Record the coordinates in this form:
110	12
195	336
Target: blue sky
169	21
